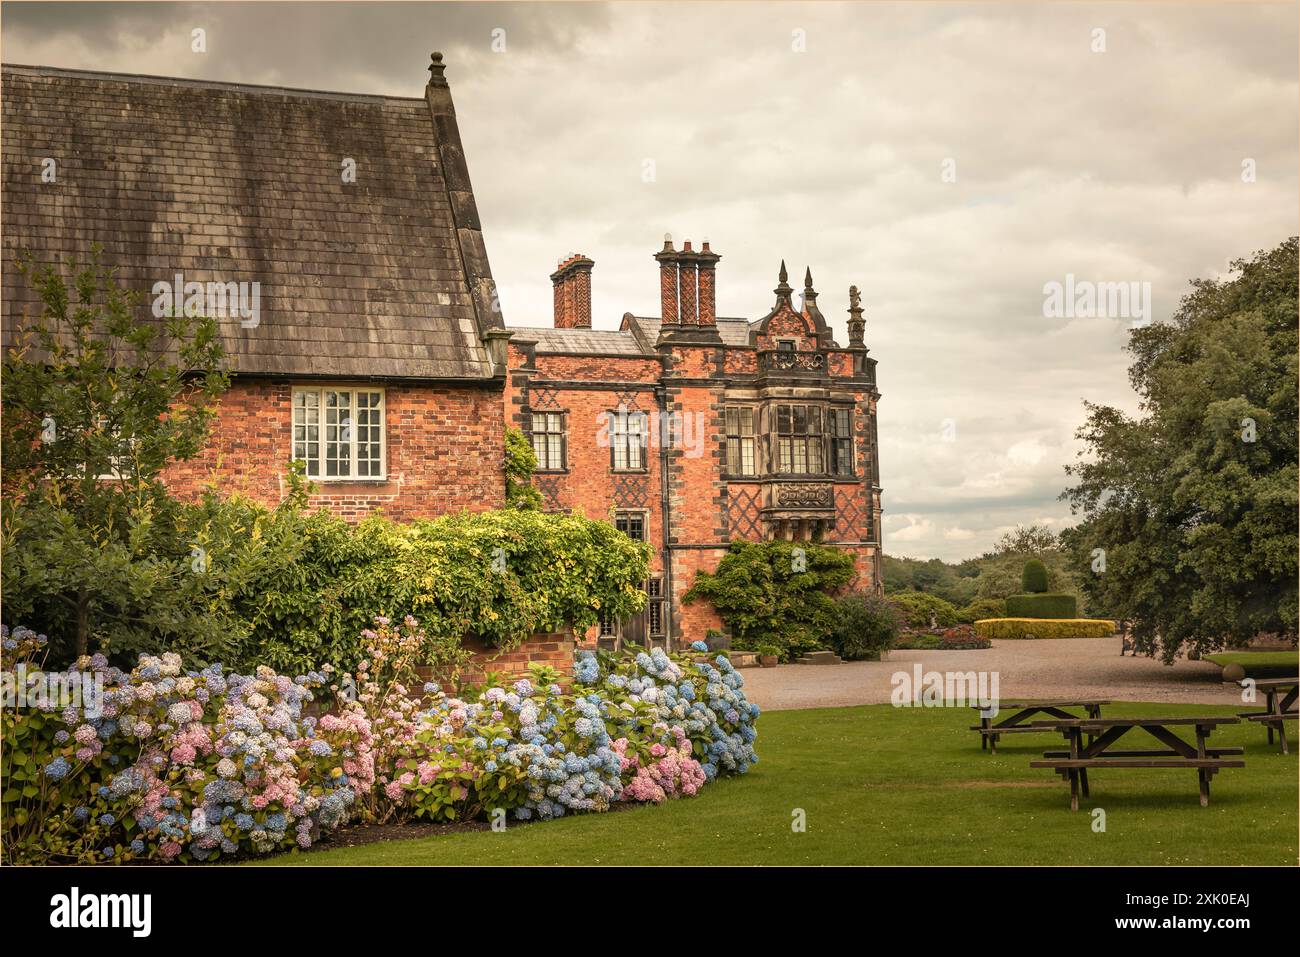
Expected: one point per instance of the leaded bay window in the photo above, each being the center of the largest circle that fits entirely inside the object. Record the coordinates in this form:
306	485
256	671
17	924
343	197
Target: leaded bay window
799	439
739	422
548	440
339	433
841	422
627	440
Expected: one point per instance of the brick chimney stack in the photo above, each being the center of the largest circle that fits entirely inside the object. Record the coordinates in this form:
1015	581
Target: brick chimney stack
707	260
667	259
687	288
571	283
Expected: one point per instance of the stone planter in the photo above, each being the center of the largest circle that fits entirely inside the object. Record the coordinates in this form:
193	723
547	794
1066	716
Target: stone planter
768	661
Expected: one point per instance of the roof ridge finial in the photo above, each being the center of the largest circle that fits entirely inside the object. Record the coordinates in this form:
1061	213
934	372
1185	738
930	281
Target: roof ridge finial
807	277
783	289
436	69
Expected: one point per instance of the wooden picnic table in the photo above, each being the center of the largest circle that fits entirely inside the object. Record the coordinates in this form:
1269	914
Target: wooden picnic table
1073	764
1279	706
1023	711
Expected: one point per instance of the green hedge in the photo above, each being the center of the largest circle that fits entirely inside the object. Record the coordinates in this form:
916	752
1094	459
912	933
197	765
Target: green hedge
1044	628
1050	605
776	594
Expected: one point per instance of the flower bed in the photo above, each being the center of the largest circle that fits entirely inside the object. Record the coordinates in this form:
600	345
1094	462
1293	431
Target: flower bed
197	765
957	638
174	764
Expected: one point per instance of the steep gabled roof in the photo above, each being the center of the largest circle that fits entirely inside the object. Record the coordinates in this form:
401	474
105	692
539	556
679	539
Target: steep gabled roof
382	277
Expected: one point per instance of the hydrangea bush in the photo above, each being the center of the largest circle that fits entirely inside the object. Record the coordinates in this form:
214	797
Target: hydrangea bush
198	765
643	726
176	764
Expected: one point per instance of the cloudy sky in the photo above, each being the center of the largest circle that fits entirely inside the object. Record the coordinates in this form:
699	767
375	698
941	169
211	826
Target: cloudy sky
949	159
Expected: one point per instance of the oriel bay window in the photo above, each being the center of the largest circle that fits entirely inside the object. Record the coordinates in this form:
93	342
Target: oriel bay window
740	441
628	433
799	439
841	422
339	433
548	440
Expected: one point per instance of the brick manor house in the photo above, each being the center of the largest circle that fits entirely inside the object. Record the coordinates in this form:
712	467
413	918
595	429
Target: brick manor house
379	355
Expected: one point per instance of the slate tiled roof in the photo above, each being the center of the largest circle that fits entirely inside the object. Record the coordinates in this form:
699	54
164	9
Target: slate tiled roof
605	342
223	182
734	332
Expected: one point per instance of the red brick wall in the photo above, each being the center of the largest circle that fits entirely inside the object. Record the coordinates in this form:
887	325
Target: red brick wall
555	650
445	451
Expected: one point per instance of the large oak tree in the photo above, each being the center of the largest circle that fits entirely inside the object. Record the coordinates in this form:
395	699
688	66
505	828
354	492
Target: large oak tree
1189	526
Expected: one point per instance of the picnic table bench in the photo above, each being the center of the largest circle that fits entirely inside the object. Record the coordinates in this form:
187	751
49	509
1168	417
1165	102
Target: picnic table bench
1073	764
1017	723
1280	705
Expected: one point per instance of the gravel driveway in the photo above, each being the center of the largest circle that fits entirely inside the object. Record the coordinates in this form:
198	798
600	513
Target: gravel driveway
1064	668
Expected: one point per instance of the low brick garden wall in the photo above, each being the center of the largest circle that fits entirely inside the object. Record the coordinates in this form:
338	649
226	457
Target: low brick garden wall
555	650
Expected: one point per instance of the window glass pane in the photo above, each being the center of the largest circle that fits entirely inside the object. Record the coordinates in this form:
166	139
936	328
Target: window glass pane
783	419
747	456
785	456
800	419
746	421
733	456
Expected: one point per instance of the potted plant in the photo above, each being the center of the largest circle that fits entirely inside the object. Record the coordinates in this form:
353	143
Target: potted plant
769	655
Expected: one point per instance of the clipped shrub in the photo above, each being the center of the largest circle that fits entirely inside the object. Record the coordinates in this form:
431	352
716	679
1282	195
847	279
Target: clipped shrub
866	626
1047	605
1034	578
776	593
918	608
983	608
1004	628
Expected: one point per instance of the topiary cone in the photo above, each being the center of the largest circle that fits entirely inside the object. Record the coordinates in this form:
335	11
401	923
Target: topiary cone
1034	578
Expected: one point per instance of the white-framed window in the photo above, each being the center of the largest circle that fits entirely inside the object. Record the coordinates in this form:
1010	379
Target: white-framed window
739	422
628	438
339	432
549	440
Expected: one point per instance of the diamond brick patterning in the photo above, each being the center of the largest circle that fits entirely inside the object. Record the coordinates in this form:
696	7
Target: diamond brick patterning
743	519
549	486
631	491
851	522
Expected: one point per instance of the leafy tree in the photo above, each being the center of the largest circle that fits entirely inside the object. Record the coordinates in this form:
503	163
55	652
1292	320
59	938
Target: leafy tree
96	404
1192	505
1028	540
777	593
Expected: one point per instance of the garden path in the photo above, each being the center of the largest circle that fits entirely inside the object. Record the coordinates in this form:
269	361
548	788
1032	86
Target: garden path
1063	668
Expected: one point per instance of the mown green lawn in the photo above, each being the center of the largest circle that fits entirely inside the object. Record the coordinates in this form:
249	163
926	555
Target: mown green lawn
881	785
